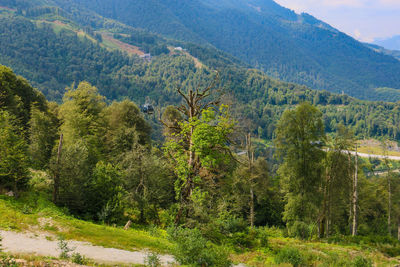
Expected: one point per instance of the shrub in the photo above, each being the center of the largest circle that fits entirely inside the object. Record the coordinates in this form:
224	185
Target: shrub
78	259
152	259
8	261
360	261
193	249
242	240
300	230
262	236
334	259
64	248
290	255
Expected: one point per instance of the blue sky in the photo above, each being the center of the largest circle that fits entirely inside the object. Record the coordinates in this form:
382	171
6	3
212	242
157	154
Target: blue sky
365	20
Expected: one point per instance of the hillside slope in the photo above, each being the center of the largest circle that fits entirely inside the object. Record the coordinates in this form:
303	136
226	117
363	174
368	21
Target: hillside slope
288	46
53	58
35	215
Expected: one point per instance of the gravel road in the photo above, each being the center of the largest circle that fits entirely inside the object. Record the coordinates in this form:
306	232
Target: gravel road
26	243
365	155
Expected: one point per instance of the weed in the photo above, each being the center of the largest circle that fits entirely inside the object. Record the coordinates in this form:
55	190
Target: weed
78	259
26	209
290	255
360	261
8	261
193	249
64	248
152	259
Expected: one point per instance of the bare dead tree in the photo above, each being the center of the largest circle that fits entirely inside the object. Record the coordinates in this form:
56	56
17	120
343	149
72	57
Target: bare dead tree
194	103
57	171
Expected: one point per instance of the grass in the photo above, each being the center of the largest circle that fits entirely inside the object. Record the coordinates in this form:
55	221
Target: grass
376	150
42	215
375	147
35	212
34	260
314	253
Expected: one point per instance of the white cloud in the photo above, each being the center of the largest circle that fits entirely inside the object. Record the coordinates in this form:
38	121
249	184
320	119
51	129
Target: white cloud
390	3
302	5
362	19
357	33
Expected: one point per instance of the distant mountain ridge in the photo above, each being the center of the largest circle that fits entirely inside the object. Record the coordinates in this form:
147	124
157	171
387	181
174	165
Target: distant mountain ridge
392	43
381	49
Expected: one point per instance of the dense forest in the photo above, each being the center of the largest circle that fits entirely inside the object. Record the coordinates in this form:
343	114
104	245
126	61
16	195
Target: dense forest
56	60
285	45
101	165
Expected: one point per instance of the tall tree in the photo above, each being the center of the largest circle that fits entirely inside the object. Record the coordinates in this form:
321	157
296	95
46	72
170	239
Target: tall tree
338	182
201	143
385	147
43	127
299	139
14	161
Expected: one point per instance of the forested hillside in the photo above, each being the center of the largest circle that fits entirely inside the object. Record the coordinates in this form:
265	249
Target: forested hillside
288	46
54	58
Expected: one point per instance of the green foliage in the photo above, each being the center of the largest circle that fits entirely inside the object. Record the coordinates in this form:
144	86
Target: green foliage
148	181
290	255
17	96
42	136
360	261
299	138
385	244
14	161
78	259
152	259
210	136
8	261
193	249
300	230
64	248
105	193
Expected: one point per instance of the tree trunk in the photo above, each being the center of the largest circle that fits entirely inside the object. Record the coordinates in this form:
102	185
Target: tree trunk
322	219
328	215
252	215
57	171
188	188
398	228
250	156
389	205
128	225
355	196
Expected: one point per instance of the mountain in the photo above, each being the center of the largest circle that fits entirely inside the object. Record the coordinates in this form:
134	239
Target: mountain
292	47
392	43
381	49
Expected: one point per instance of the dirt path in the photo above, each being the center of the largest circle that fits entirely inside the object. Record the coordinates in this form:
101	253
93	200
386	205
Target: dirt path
365	155
23	243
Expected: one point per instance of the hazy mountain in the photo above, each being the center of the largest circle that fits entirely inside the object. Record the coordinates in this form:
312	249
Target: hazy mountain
381	49
392	43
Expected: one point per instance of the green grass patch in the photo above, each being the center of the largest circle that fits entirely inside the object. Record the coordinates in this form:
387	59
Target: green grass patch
42	215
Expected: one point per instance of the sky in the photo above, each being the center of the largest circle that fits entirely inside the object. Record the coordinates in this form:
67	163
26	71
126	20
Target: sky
365	20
